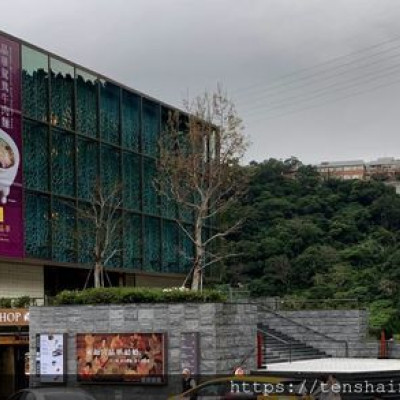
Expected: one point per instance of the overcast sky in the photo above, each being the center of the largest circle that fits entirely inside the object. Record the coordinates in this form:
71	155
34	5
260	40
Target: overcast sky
316	79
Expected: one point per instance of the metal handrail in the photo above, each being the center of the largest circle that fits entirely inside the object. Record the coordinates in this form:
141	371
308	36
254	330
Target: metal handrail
301	304
329	338
279	340
273	336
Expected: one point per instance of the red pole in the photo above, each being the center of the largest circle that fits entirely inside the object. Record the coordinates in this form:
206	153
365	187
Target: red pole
383	352
260	340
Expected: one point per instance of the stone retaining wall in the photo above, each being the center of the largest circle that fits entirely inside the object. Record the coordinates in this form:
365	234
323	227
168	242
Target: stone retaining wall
227	336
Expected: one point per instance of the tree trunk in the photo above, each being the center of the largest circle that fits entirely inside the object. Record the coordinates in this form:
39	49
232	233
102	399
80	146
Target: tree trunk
97	274
197	271
198	258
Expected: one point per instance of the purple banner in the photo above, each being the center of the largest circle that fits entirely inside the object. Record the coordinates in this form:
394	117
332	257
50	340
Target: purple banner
11	218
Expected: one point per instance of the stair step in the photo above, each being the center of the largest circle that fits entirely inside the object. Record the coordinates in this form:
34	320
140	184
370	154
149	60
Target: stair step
285	343
274	361
276	336
295	356
296	345
293	349
308	350
267	361
276	350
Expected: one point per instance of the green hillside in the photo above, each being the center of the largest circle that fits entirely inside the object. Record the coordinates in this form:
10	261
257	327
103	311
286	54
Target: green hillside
314	239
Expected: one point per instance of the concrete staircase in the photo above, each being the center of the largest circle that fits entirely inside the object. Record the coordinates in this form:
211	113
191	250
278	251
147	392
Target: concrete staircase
279	347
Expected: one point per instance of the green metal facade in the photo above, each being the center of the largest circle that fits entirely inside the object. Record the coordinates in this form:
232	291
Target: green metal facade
78	127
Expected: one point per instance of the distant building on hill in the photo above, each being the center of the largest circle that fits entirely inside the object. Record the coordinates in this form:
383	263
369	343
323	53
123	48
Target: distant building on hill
385	169
354	169
388	168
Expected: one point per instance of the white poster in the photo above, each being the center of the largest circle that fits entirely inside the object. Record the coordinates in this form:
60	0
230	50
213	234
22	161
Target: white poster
52	358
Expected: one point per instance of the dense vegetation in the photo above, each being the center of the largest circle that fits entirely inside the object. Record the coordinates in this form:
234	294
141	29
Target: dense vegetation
313	239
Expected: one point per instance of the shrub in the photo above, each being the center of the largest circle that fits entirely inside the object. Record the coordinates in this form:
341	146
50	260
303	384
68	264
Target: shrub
383	315
128	295
22	302
5	303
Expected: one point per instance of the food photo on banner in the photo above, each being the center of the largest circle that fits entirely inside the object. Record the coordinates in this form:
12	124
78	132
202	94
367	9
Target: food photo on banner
11	221
136	358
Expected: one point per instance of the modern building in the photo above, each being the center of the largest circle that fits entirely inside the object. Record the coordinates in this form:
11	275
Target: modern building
354	169
63	129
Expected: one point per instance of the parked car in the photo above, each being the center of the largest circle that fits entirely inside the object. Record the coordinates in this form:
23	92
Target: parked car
52	394
250	387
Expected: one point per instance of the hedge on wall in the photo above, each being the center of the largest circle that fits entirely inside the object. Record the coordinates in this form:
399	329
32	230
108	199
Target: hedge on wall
19	302
136	295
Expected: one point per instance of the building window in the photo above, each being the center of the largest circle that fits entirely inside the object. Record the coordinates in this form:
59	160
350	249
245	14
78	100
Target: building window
150	197
86	237
132	241
63	229
110	168
151	127
109	112
87	167
35	84
170	247
152	244
131	181
37	225
63	163
86	103
131	121
36	155
62	94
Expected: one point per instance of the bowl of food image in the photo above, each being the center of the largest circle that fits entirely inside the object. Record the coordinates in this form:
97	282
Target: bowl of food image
9	163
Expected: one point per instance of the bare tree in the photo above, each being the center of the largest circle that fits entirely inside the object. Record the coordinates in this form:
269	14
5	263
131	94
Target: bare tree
101	224
198	168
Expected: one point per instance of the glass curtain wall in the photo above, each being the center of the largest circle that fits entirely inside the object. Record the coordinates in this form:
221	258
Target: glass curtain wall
80	130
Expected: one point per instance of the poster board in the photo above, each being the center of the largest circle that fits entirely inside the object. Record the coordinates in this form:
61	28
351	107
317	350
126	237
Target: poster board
131	358
51	357
190	352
